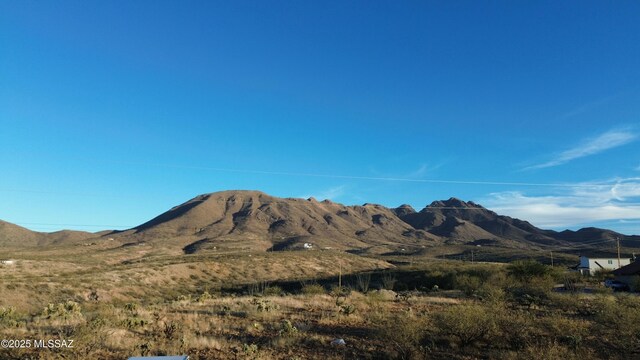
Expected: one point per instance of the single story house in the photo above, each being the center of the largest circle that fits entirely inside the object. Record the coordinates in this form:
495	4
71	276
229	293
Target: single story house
629	275
589	266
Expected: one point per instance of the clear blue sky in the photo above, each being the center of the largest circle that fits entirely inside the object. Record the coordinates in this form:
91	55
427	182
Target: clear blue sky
112	112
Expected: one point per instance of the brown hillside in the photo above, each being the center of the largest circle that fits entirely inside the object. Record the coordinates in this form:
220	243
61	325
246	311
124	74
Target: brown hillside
252	220
15	236
468	222
261	221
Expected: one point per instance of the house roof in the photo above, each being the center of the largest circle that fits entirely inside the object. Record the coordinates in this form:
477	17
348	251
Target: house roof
605	258
631	269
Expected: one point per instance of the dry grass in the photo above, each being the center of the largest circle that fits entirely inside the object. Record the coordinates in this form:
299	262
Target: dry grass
183	305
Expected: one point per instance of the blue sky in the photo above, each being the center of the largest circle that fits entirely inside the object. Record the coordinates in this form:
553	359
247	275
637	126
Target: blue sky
112	112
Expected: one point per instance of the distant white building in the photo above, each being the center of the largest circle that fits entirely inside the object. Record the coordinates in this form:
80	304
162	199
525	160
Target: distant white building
589	266
7	262
308	246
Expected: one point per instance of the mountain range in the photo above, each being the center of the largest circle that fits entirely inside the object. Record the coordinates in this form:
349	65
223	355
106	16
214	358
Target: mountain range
253	220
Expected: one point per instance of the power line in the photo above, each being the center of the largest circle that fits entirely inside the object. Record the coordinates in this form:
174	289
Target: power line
268	202
343	176
579	246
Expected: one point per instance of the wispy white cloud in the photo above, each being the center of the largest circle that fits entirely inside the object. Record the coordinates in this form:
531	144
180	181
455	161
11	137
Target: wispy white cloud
605	141
587	107
577	206
420	171
331	193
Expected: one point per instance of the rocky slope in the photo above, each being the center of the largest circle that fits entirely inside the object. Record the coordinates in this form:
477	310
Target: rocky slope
252	220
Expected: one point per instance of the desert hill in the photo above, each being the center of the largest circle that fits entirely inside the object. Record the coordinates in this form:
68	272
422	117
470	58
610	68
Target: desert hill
15	236
253	220
256	220
461	221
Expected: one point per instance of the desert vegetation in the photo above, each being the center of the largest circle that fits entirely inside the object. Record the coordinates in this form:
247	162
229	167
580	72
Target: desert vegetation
429	309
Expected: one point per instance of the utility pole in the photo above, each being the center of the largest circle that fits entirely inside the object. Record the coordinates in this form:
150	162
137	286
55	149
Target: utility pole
551	258
618	245
340	277
472	256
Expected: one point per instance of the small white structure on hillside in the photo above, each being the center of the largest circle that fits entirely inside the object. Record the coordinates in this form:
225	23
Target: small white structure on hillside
7	262
308	246
589	266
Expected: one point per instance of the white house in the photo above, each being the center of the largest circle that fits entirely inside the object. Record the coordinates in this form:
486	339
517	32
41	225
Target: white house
588	266
7	262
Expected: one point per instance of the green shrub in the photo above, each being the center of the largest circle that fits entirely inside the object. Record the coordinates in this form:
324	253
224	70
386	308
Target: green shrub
7	312
534	292
601	275
388	280
516	329
406	335
264	305
468	284
570	303
287	329
404	296
133	322
273	291
8	316
184	298
526	270
617	321
488	292
443	279
551	352
249	349
170	330
131	307
338	291
363	281
313	289
467	323
204	297
566	331
347	309
66	310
